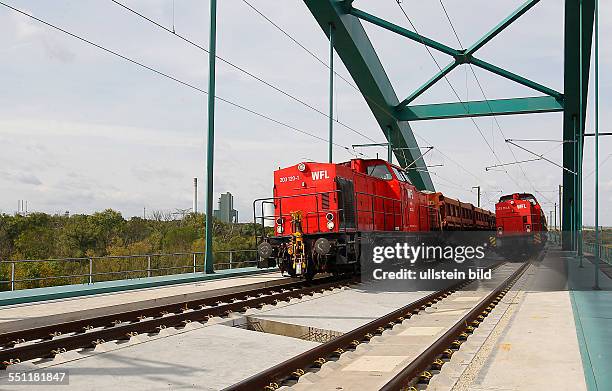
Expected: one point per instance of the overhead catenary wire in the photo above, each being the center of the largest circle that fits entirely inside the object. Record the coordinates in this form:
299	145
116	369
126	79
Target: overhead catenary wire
344	79
398	2
487	100
239	68
168	76
600	165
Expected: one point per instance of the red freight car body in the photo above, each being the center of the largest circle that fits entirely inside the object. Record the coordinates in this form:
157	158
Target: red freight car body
454	215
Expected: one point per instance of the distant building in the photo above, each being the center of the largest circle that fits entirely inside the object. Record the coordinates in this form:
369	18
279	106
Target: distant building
226	211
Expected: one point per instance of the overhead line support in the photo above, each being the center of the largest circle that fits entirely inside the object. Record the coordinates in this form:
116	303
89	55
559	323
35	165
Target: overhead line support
210	140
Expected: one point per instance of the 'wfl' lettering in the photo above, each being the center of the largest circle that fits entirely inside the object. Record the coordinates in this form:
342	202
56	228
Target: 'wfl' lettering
316	175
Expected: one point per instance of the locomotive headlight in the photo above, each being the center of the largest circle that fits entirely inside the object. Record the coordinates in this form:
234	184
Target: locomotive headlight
330	225
301	167
322	246
329	216
264	250
280	221
279	229
528	228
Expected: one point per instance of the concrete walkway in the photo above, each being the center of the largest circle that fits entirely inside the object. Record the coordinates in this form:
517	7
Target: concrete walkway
539	349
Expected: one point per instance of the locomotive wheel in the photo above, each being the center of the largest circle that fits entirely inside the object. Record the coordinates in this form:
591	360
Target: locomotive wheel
310	270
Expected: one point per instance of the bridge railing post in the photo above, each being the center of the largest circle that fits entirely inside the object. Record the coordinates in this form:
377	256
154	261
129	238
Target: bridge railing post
91	270
231	258
148	266
12	276
195	264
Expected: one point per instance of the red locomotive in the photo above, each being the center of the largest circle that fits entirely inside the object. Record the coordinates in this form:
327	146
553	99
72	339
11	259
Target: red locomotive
521	223
323	210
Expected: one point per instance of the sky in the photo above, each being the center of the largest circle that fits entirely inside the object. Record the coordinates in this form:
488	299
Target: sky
82	130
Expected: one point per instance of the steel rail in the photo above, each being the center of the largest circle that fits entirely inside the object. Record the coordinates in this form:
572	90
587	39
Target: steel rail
273	377
425	360
86	333
8	339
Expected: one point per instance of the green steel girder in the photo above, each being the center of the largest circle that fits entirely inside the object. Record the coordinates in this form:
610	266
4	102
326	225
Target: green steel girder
436	78
576	42
460	56
405	32
359	56
542	104
516	78
502	25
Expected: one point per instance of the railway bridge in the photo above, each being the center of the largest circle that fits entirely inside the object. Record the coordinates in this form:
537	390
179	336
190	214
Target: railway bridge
536	318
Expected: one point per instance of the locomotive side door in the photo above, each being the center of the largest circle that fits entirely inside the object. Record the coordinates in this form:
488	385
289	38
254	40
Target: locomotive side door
424	212
346	203
410	213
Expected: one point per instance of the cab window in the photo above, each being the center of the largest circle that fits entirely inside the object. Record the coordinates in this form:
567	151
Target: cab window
400	175
380	171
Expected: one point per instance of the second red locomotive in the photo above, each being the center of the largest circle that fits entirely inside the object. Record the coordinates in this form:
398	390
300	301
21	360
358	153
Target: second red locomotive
521	224
322	211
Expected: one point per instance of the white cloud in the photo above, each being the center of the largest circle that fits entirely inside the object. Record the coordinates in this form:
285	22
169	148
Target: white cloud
94	131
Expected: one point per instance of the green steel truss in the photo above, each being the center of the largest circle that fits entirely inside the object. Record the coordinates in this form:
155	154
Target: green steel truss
577	58
359	56
356	51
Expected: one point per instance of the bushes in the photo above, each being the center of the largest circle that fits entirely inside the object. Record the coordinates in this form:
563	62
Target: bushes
43	236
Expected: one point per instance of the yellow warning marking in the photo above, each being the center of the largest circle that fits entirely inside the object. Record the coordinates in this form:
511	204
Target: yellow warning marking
505	347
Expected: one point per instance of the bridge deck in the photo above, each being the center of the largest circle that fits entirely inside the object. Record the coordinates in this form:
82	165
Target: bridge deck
23	316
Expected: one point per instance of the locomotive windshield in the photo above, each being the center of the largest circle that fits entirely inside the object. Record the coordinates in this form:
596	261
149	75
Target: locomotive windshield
522	196
380	171
400	174
528	197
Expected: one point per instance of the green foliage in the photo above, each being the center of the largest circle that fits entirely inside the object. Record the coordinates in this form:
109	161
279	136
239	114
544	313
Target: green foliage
107	233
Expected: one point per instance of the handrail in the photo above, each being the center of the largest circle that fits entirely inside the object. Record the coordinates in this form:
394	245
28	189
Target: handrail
186	261
277	200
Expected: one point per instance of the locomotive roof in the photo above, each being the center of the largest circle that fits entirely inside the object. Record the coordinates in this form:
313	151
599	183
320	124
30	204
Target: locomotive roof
519	196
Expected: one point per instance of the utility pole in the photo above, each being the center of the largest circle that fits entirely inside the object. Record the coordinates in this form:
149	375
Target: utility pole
210	142
596	284
331	91
195	195
551	216
477	187
555	214
560	208
389	146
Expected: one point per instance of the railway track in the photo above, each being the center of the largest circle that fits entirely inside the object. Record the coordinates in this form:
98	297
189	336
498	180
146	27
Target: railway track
418	370
48	341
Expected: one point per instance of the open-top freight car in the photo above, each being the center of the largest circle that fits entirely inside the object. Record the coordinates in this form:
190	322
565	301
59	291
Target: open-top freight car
323	210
